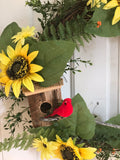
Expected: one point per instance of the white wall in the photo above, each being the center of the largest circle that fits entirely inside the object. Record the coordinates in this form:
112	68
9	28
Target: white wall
13	10
99	82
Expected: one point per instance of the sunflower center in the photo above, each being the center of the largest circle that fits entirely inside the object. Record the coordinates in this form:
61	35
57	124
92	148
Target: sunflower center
44	145
118	2
68	153
17	68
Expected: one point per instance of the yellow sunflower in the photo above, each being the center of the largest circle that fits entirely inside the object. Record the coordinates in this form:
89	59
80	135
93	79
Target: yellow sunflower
67	150
112	4
16	69
96	3
47	148
26	32
87	153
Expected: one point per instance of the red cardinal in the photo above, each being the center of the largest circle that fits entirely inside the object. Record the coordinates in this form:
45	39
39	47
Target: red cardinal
64	110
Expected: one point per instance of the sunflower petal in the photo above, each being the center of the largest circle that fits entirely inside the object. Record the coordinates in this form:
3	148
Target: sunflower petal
28	84
32	56
3	52
7	87
18	48
36	77
1	74
16	87
4	79
59	140
35	68
42	156
70	141
4	59
111	4
88	3
24	50
10	52
116	17
22	41
87	153
2	67
104	1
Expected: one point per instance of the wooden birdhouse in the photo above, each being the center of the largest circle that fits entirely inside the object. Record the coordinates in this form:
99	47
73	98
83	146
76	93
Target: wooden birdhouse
43	101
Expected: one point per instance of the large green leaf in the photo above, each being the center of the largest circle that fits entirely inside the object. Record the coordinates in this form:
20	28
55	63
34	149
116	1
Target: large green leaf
106	29
81	122
111	135
114	120
5	38
53	56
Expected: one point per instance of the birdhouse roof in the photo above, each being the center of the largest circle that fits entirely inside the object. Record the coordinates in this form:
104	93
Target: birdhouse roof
39	89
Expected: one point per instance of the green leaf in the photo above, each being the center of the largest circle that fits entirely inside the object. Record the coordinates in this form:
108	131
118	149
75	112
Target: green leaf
53	56
114	120
110	135
106	29
80	145
5	38
81	122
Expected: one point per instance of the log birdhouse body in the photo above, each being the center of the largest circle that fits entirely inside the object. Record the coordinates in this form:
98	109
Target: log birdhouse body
43	101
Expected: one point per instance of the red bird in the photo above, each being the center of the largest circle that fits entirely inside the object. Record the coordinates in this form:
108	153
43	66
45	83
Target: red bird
65	110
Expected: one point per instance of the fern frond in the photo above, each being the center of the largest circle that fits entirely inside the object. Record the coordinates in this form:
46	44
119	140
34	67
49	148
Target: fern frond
53	32
16	142
23	141
29	142
61	31
68	30
80	40
63	20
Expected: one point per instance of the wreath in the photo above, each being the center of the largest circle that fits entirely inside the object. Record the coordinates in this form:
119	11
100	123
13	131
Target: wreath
28	57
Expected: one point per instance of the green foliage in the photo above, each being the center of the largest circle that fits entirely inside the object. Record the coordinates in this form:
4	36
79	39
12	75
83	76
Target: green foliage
46	9
23	141
75	64
5	38
104	150
13	118
106	29
110	135
73	30
106	140
114	120
63	20
53	56
81	123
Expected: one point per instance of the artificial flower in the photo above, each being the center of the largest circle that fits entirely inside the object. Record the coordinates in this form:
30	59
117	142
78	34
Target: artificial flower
112	4
87	153
47	148
26	32
96	3
16	69
67	150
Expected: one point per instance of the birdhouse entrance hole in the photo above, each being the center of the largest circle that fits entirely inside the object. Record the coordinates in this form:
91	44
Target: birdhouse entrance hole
45	107
43	101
